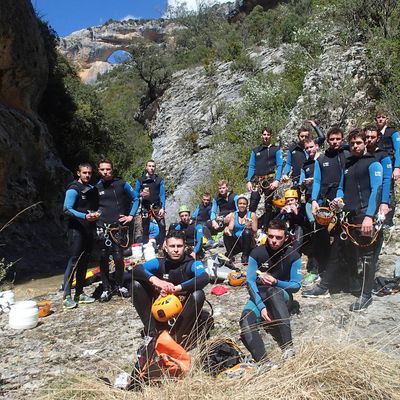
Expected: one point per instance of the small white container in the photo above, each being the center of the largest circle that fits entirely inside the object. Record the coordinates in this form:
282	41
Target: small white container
24	315
137	251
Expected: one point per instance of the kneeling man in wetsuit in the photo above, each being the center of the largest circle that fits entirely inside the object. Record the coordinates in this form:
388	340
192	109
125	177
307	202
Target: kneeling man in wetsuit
177	273
273	274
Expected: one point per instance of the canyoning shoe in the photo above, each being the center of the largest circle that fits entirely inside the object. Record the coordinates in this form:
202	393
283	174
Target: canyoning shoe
361	304
123	292
310	278
266	366
316	291
288	353
105	296
69	304
84	299
244	260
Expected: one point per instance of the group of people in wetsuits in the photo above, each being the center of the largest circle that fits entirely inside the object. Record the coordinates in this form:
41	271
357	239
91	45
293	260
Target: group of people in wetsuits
355	181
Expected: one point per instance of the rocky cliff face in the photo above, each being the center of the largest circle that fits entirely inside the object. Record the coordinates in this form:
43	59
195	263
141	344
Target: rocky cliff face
31	171
189	112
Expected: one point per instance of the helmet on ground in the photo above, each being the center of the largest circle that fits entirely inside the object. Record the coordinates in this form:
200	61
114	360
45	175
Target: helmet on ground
183	208
291	193
324	216
166	308
278	202
236	278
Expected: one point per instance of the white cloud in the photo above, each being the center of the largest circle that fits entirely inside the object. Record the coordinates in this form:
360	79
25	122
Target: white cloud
193	4
129	16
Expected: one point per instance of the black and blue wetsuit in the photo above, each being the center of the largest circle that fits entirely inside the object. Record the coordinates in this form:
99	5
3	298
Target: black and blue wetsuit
202	215
242	239
360	187
156	200
284	265
116	198
264	161
79	199
327	172
193	235
188	273
221	207
307	171
297	156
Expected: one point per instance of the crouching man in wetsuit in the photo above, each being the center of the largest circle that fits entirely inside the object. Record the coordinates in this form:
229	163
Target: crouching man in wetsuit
177	273
279	275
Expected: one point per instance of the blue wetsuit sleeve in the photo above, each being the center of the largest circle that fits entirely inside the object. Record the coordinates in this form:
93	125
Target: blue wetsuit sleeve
294	284
178	227
279	164
150	267
252	284
316	182
199	238
195	213
154	230
387	179
131	193
252	166
288	165
162	194
396	148
200	279
340	189
302	176
70	197
213	210
375	179
320	135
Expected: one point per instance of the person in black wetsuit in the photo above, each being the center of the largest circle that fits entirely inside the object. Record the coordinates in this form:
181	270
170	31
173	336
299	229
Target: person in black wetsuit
202	215
279	275
80	205
222	206
177	273
265	171
390	142
150	188
117	205
297	154
360	188
239	234
193	232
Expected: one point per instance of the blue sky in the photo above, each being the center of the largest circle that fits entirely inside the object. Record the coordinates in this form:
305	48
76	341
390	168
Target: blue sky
67	16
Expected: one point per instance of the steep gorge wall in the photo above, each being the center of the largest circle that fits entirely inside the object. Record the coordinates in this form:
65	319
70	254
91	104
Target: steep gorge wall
30	170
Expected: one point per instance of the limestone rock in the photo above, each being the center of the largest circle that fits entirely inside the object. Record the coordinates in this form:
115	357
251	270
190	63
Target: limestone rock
23	63
31	171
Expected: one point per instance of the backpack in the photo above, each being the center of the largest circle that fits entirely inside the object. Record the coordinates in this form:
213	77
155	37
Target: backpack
219	355
161	357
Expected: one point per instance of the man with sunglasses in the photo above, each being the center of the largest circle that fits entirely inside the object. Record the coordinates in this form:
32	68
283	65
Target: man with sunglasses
273	274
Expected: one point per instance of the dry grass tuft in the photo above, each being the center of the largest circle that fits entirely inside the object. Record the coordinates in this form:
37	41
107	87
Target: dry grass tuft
320	370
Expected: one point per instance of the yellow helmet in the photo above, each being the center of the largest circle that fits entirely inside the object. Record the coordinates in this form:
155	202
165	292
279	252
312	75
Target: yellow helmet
291	193
236	278
166	308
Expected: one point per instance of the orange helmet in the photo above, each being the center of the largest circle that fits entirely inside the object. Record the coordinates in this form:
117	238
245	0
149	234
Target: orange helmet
236	278
166	308
324	216
291	193
278	202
